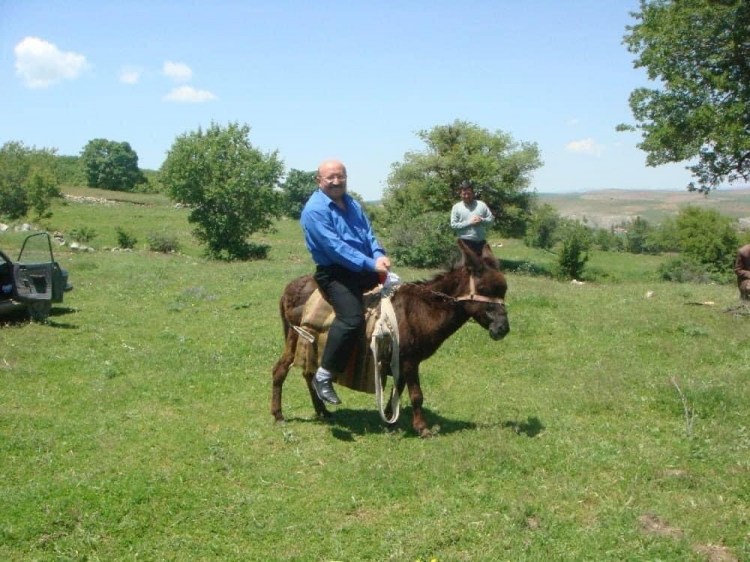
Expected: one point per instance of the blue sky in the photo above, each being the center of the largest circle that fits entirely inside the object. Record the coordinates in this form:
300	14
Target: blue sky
351	80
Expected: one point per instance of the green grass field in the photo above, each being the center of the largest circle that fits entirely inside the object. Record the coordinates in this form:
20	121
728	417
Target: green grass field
613	423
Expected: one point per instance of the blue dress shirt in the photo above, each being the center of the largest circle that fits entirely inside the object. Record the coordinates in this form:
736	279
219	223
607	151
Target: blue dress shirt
341	237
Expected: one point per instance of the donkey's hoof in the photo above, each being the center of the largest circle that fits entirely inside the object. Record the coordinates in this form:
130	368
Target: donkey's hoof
324	415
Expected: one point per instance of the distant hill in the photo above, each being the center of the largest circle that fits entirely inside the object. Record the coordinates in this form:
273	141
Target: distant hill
613	206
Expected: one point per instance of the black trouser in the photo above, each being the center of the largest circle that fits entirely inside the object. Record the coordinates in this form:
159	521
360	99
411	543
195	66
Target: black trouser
476	245
343	289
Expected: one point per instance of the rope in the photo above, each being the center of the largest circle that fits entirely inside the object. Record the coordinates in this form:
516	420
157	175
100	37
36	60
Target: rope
387	328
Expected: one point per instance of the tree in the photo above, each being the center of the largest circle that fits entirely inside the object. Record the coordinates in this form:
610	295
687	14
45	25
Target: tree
28	180
699	51
641	237
573	255
707	237
70	170
541	228
297	188
111	165
499	167
229	186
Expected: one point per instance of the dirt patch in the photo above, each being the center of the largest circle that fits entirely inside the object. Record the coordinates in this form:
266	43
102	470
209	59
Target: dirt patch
715	553
655	525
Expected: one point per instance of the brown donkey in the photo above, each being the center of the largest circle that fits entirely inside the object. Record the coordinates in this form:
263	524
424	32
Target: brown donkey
428	313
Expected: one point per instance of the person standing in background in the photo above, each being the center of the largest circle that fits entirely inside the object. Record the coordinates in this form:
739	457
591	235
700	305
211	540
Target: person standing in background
470	218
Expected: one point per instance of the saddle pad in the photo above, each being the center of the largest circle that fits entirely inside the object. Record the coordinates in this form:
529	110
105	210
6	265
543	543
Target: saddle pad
317	317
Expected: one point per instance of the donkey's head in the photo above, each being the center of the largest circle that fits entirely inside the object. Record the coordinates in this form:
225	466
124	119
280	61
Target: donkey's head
484	298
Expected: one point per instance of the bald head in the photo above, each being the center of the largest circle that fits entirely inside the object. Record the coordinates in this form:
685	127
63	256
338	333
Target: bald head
332	179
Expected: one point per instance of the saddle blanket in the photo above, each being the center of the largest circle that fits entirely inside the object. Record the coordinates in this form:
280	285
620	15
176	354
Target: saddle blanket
317	317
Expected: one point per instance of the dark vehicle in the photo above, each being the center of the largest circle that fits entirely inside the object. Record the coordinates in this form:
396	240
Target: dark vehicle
34	281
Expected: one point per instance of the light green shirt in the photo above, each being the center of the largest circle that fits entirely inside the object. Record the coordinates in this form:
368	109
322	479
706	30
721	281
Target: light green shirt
461	215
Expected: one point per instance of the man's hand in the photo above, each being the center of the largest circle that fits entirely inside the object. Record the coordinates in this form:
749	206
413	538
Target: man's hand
382	264
475	219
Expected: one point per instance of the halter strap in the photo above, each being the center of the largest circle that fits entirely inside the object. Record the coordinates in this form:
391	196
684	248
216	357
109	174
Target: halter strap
473	296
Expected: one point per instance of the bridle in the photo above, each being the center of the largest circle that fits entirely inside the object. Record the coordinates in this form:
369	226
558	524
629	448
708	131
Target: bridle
473	296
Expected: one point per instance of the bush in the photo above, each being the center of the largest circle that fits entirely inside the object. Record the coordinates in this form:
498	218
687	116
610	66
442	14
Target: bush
28	180
423	241
161	242
707	237
681	270
542	227
573	254
125	239
84	235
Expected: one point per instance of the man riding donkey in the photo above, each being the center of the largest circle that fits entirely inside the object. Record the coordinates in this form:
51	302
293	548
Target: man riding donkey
349	262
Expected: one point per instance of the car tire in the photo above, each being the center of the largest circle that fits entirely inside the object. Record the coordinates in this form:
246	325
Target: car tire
39	311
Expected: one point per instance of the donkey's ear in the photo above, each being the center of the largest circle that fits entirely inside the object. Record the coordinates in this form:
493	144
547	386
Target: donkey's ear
489	258
469	258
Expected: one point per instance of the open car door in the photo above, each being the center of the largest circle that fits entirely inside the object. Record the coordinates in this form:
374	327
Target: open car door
36	251
29	280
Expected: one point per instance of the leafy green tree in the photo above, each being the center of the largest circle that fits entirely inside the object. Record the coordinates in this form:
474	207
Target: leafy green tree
541	227
699	52
424	187
499	167
111	165
666	236
641	237
707	237
70	170
28	180
228	185
607	240
297	188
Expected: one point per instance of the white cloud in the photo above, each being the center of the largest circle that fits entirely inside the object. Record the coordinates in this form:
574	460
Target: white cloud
130	74
585	146
41	64
177	71
188	94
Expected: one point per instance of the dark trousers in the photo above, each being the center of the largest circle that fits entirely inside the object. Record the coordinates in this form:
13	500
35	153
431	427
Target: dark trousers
343	289
476	245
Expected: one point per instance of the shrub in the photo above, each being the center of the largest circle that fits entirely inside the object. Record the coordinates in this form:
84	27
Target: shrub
573	254
28	180
84	234
707	237
423	241
125	239
161	242
542	227
681	270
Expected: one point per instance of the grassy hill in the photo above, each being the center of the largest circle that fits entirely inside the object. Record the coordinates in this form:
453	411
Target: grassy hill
608	207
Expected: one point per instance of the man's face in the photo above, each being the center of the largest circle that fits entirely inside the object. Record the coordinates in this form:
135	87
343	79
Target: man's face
332	180
467	195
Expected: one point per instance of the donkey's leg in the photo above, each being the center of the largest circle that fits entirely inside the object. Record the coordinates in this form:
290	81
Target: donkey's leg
320	408
411	376
280	371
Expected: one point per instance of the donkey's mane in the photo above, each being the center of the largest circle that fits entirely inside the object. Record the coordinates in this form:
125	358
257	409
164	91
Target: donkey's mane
438	276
